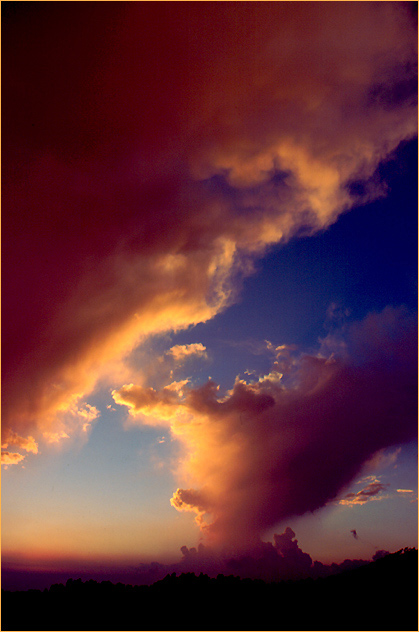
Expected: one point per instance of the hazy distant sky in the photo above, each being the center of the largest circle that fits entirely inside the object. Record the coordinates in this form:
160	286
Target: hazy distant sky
209	216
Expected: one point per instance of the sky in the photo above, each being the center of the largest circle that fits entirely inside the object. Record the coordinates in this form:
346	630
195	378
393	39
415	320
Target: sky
209	285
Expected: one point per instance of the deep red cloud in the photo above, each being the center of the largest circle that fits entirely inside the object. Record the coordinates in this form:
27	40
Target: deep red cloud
118	118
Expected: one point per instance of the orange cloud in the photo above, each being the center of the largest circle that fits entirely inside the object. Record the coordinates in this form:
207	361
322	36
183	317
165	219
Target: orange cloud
369	493
155	407
11	458
25	443
180	352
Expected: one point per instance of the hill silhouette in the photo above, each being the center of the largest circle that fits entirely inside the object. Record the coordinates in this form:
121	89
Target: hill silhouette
380	595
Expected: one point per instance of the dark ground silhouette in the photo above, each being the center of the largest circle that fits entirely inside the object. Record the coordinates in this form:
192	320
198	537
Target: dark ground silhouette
381	595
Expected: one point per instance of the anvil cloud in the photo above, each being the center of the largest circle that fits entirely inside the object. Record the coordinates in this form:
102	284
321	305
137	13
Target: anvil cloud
288	444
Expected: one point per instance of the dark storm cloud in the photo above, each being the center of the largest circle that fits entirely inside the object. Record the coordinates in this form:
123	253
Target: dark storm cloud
151	153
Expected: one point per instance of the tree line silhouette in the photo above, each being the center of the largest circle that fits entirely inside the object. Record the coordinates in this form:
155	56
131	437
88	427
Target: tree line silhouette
380	595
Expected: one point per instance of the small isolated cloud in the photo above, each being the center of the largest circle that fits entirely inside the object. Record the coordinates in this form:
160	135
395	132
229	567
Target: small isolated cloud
409	494
11	438
369	493
181	352
11	458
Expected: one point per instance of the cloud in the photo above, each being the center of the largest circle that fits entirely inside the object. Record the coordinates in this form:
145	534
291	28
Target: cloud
55	437
25	443
272	449
371	492
138	203
74	419
191	500
407	493
181	352
177	386
383	459
11	458
282	559
88	415
154	406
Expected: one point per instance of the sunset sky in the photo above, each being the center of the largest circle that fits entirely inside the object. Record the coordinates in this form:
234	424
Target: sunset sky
209	302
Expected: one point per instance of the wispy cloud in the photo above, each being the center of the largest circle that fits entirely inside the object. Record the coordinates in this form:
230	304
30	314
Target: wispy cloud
369	493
